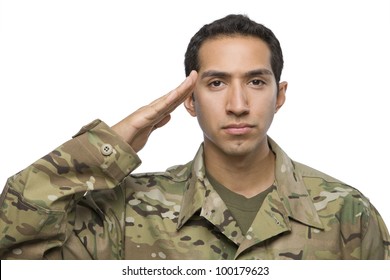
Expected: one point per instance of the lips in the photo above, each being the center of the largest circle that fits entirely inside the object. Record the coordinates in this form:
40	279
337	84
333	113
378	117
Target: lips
238	129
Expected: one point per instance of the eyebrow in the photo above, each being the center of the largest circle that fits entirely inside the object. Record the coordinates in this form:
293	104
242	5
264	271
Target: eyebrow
221	74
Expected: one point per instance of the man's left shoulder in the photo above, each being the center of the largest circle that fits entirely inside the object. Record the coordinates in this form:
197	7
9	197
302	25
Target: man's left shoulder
325	189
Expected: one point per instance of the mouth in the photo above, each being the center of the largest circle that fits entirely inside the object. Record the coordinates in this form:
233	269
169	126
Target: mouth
238	129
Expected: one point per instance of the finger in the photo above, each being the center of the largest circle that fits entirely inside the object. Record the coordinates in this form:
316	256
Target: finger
159	124
163	122
163	106
184	89
181	92
136	127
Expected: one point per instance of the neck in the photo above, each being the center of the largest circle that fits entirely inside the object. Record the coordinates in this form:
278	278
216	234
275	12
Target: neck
247	175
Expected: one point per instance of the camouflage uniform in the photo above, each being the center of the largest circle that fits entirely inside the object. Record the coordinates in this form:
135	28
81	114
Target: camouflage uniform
78	202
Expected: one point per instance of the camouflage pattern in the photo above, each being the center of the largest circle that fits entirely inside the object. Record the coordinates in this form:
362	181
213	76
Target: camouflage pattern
78	203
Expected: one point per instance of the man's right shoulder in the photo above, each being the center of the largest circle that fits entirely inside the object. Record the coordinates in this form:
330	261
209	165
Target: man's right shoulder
169	180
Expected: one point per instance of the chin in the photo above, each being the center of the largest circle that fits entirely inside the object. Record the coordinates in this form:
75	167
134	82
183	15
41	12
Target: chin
234	147
238	150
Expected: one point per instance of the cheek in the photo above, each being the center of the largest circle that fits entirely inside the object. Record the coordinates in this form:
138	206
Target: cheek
207	113
202	114
202	106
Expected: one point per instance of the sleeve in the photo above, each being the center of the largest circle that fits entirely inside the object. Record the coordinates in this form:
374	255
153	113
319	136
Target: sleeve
376	239
37	206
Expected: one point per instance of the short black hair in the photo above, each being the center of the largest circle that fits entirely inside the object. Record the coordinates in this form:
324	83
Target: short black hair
233	25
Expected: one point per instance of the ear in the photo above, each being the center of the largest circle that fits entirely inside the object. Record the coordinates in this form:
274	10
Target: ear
281	98
189	103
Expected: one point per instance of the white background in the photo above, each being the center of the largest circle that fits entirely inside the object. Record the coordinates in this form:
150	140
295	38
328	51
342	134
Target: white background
65	63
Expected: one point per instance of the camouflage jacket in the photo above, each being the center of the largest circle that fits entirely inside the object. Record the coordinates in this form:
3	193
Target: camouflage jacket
79	202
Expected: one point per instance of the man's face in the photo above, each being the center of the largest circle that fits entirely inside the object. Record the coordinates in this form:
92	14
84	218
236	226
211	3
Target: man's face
235	97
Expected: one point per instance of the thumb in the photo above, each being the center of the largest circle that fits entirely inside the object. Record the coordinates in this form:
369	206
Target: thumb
162	122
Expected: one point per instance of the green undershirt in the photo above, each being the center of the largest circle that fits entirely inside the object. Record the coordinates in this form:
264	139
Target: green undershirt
244	210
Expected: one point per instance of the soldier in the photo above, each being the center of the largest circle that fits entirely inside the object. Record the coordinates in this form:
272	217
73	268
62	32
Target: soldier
241	197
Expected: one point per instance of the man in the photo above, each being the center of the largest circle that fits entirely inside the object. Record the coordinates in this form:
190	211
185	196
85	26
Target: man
241	197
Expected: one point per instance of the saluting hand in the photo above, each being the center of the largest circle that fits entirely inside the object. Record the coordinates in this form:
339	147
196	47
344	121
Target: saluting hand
136	128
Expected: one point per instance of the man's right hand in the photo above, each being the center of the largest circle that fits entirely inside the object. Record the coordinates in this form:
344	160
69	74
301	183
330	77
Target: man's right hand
136	128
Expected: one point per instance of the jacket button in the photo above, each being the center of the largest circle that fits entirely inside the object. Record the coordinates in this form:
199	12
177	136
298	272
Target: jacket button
106	149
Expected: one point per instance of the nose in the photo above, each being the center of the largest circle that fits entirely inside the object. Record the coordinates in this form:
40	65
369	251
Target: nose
237	101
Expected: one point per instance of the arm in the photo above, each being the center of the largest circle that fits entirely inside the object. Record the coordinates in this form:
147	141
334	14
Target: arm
38	205
136	128
376	239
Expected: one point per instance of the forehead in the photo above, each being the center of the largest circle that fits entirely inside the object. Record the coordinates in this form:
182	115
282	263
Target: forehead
232	53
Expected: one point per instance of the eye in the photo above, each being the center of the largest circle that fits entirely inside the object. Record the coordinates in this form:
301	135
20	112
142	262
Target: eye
216	83
257	82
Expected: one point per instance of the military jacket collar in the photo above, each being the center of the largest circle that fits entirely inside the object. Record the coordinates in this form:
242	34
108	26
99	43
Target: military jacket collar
289	199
